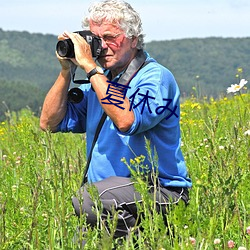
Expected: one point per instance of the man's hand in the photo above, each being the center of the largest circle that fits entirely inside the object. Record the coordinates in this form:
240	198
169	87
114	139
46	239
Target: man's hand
83	54
66	63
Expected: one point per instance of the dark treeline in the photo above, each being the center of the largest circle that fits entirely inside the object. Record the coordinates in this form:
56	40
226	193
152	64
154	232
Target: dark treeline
203	67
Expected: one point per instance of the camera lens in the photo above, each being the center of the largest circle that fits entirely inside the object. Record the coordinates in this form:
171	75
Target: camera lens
65	48
75	95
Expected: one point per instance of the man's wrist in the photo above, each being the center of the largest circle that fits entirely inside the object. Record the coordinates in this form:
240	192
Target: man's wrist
96	70
65	73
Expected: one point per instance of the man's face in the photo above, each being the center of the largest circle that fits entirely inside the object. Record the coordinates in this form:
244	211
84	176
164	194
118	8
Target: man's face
118	50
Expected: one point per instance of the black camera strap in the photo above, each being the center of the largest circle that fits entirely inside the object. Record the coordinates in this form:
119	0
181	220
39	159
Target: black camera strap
136	64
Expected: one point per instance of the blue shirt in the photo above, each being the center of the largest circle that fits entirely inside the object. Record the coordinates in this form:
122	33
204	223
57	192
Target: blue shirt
159	125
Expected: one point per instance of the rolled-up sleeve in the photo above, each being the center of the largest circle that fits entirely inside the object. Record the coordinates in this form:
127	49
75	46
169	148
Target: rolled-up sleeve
75	117
155	96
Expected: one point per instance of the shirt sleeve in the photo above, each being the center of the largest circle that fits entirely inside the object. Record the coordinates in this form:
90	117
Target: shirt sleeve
154	96
75	118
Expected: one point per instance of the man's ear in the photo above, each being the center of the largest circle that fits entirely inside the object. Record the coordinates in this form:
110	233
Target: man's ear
134	42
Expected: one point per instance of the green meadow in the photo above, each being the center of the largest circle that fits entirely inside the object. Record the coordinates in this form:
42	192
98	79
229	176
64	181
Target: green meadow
40	172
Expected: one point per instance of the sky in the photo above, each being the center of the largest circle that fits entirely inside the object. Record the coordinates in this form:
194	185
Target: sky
161	19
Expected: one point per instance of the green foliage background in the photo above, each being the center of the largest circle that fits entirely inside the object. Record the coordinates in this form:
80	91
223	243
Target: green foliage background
28	66
210	62
40	172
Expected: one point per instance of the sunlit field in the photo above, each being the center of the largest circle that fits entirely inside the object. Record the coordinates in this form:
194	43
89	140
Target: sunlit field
40	172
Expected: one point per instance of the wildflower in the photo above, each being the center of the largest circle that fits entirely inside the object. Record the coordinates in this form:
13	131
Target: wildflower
45	216
248	230
192	240
198	182
247	133
237	87
240	70
216	241
195	106
242	248
221	147
230	244
137	160
14	188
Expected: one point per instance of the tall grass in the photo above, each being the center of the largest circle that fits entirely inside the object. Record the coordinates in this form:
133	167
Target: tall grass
40	172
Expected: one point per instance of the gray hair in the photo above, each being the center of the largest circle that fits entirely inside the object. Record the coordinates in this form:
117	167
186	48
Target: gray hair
119	12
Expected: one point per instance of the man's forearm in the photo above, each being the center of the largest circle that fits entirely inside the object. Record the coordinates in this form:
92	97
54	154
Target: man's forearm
123	118
55	103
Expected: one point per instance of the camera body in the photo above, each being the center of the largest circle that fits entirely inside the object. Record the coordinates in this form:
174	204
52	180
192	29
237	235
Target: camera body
65	48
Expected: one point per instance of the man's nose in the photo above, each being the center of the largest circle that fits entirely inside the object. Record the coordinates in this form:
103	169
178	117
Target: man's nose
104	44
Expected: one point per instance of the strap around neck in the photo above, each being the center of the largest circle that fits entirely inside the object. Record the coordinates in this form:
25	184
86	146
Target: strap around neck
137	63
133	68
129	73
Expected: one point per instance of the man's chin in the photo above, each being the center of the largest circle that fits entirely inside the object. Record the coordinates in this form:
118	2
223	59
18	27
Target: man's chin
105	64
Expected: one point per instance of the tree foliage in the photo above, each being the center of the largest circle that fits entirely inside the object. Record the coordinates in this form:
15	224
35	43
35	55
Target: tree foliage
205	67
212	63
28	57
17	95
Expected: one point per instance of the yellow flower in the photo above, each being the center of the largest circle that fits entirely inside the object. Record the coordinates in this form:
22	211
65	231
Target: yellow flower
183	113
195	105
132	162
240	70
138	160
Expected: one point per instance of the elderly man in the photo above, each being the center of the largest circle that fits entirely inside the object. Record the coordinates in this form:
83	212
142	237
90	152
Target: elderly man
142	106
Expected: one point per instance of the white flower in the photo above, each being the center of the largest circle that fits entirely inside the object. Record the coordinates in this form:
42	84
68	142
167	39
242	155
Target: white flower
237	87
248	230
242	248
22	210
246	133
217	241
192	240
